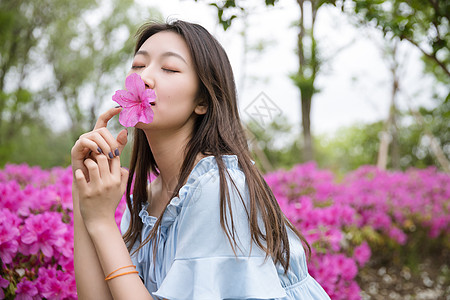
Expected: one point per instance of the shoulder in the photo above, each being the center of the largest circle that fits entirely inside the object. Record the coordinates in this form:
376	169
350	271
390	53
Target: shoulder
202	210
208	165
204	180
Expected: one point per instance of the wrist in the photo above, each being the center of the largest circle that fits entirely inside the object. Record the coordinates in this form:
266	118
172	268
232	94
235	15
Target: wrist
101	227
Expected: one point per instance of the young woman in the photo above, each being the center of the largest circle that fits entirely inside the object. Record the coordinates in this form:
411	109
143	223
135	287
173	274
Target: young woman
208	227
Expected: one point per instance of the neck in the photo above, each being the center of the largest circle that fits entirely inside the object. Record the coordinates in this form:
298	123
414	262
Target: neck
168	152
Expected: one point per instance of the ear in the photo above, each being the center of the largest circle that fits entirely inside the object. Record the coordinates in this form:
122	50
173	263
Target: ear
201	108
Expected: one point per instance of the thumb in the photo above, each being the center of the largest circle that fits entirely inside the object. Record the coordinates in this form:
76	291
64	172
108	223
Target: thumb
123	180
122	139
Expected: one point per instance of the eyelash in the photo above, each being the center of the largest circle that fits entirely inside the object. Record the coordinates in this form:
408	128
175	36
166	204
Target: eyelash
169	70
164	69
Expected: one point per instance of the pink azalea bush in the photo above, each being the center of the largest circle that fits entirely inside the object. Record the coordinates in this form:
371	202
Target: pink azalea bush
36	222
36	233
338	218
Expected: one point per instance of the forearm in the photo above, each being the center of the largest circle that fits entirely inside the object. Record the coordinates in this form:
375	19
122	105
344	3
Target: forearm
89	274
113	254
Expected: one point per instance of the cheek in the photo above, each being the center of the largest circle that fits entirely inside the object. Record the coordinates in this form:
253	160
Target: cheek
174	105
176	94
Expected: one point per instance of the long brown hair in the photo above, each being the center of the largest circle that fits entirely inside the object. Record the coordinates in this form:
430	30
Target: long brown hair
216	133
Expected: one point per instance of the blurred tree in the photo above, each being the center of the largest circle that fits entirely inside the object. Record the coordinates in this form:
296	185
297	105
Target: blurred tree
307	52
349	147
356	145
60	53
389	134
433	135
424	24
280	147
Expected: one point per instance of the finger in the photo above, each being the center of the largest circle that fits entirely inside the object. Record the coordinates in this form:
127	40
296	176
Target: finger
80	181
122	139
94	173
106	116
115	166
123	180
103	166
103	146
83	169
112	142
82	148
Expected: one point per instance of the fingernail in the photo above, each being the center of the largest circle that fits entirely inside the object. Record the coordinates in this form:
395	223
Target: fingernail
117	106
116	152
110	155
99	150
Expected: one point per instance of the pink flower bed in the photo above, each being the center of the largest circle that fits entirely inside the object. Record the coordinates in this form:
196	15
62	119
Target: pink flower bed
328	213
36	229
36	233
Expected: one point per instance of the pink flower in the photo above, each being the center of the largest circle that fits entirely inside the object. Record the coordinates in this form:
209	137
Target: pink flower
56	284
346	266
120	210
3	284
9	235
362	254
397	235
352	292
135	101
26	290
43	232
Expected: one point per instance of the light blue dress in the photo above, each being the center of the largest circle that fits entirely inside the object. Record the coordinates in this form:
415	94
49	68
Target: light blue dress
194	259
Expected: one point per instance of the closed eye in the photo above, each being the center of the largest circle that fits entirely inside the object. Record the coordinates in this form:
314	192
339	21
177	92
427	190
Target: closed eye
137	67
170	70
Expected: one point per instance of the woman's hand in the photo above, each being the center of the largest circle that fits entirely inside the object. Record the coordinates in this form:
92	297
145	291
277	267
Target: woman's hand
92	150
100	196
99	141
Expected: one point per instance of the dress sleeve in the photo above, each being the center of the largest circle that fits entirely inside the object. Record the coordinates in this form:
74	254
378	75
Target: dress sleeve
205	266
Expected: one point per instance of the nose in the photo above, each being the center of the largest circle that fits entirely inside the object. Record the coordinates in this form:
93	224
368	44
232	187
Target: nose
147	77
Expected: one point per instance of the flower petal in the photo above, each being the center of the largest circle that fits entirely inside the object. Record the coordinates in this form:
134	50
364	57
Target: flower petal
125	98
146	114
47	250
129	116
148	96
135	85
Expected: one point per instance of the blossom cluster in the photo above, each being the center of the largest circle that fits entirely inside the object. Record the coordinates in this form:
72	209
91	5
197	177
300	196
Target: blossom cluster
36	222
327	212
36	233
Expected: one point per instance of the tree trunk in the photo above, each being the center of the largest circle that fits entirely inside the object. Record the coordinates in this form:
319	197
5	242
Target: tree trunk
434	144
308	152
390	129
305	80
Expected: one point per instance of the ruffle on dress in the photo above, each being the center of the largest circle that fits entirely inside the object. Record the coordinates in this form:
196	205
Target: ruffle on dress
194	259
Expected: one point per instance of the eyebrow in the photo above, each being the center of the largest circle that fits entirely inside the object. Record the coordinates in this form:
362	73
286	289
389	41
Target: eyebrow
165	54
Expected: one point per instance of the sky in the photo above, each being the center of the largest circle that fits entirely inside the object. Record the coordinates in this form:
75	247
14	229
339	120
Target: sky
355	82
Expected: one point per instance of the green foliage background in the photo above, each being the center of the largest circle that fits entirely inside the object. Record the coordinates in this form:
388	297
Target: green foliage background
79	52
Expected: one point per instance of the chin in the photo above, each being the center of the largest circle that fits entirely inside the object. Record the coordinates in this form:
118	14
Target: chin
141	125
145	126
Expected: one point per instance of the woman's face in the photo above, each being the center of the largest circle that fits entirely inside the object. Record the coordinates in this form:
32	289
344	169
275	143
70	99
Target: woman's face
165	65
